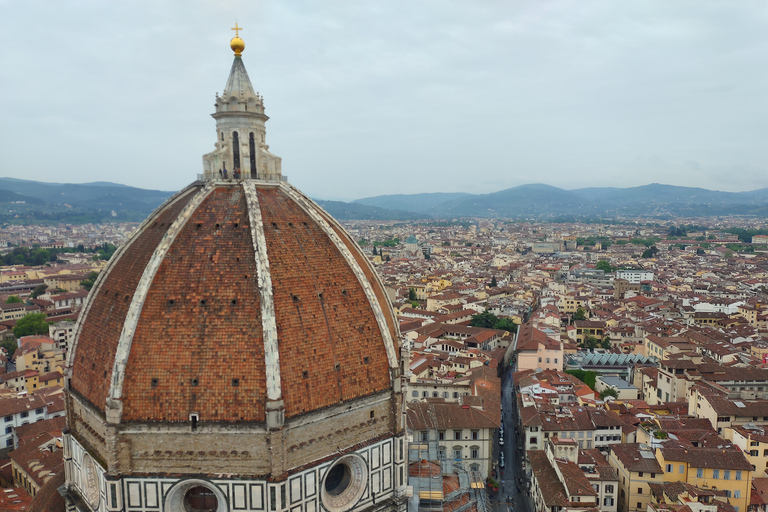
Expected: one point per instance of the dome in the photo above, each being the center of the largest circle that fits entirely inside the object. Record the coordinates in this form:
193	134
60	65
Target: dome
238	352
229	295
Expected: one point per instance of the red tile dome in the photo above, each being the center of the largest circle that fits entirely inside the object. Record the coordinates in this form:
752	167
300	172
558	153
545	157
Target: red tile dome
231	295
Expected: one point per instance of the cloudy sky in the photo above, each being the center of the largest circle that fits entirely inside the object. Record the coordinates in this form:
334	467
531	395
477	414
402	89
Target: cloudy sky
384	97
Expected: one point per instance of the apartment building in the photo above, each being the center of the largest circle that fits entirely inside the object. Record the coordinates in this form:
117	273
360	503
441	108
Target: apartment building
637	468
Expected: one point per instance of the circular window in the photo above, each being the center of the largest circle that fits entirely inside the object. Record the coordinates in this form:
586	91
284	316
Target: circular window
338	479
200	499
344	483
195	495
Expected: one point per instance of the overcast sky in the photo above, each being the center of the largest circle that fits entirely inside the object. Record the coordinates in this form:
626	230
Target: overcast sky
384	97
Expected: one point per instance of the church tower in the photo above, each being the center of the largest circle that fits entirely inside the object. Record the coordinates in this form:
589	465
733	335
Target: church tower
238	353
240	127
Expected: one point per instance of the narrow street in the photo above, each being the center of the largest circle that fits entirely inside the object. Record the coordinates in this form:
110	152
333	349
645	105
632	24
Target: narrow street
512	495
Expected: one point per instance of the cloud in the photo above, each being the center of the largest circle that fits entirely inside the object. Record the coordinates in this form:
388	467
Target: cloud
369	98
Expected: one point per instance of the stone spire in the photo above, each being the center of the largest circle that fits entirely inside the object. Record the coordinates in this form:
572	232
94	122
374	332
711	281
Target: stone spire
239	85
241	129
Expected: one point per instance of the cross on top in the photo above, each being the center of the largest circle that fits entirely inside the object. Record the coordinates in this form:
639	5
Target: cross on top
236	29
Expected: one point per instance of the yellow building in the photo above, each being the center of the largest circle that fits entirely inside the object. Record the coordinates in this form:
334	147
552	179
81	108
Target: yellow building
715	468
636	466
570	303
12	274
662	347
754	443
749	313
67	282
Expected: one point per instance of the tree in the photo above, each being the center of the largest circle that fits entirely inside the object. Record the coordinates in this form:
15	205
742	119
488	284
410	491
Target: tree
728	254
650	252
609	392
491	321
506	324
493	282
33	323
590	342
411	294
484	319
38	291
580	314
87	283
676	231
10	346
13	299
606	343
605	266
700	251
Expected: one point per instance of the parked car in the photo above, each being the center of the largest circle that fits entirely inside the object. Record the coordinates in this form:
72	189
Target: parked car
501	460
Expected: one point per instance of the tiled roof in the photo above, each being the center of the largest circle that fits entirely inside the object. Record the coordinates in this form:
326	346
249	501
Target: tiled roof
13	405
708	458
198	341
634	459
552	489
426	415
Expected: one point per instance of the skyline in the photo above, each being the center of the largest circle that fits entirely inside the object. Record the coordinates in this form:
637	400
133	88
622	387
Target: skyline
369	99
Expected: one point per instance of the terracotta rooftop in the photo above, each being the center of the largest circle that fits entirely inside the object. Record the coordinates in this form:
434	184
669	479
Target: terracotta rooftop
198	341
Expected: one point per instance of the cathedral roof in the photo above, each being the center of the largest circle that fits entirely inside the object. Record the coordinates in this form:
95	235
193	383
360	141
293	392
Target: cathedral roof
232	294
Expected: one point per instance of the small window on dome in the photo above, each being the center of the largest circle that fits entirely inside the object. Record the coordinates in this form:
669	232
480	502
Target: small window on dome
337	367
195	382
305	374
153	383
366	360
235	383
202	302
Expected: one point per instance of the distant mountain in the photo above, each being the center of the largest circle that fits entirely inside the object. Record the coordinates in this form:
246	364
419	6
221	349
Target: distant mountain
26	201
545	201
421	203
98	195
355	211
656	193
8	196
521	201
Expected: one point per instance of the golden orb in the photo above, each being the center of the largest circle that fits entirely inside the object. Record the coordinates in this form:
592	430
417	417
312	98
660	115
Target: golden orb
237	45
